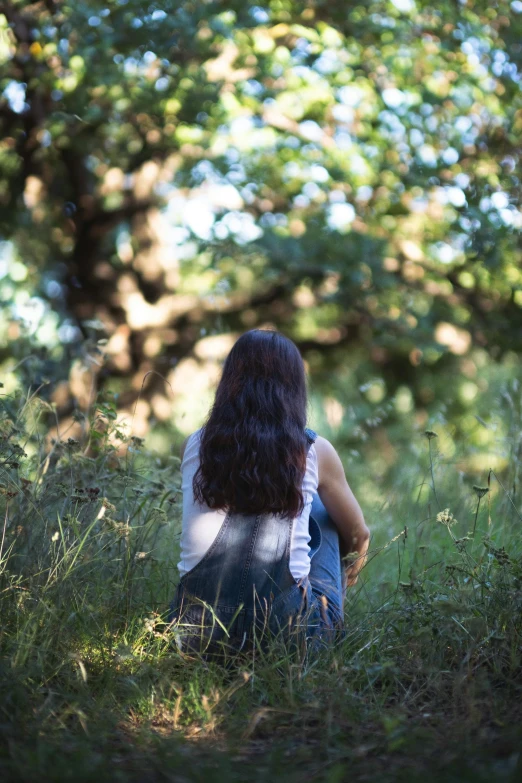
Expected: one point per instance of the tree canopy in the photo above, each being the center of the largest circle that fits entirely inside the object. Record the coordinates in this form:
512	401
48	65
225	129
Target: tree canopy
174	172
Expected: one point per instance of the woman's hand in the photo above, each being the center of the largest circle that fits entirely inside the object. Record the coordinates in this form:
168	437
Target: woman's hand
354	562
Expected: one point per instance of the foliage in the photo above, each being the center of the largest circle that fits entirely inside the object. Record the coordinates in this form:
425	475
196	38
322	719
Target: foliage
171	175
346	173
426	683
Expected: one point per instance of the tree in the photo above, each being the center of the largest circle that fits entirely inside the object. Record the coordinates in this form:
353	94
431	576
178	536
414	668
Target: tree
346	173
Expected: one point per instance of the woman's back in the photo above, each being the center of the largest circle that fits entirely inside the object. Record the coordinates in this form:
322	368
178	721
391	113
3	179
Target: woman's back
201	524
241	582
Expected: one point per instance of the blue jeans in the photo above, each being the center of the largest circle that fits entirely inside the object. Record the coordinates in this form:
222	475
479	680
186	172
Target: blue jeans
326	570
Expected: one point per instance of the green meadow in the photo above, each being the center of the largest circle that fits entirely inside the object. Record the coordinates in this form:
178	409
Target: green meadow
425	685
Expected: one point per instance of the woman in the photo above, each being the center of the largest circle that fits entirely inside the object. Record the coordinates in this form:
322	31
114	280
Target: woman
267	510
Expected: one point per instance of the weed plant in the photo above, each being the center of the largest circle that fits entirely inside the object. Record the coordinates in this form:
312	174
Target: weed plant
426	683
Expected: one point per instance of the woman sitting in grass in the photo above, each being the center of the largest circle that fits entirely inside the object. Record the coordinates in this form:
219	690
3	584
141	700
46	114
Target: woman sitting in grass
267	511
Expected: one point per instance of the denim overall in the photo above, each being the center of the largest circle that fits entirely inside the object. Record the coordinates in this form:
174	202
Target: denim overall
243	587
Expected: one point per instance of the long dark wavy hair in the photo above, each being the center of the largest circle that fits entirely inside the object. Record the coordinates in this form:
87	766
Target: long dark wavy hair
253	445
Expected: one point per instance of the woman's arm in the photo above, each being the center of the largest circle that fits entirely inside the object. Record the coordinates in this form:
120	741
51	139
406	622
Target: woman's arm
342	506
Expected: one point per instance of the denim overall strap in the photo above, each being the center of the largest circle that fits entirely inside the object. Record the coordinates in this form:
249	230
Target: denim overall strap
311	436
245	570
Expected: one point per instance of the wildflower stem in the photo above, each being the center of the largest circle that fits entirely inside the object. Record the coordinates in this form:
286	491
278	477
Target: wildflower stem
3	530
476	515
432	474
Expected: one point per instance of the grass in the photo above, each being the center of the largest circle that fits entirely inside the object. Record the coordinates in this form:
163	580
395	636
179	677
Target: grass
426	684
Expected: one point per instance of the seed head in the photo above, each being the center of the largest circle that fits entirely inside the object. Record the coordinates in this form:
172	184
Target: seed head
446	518
108	505
430	434
480	491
